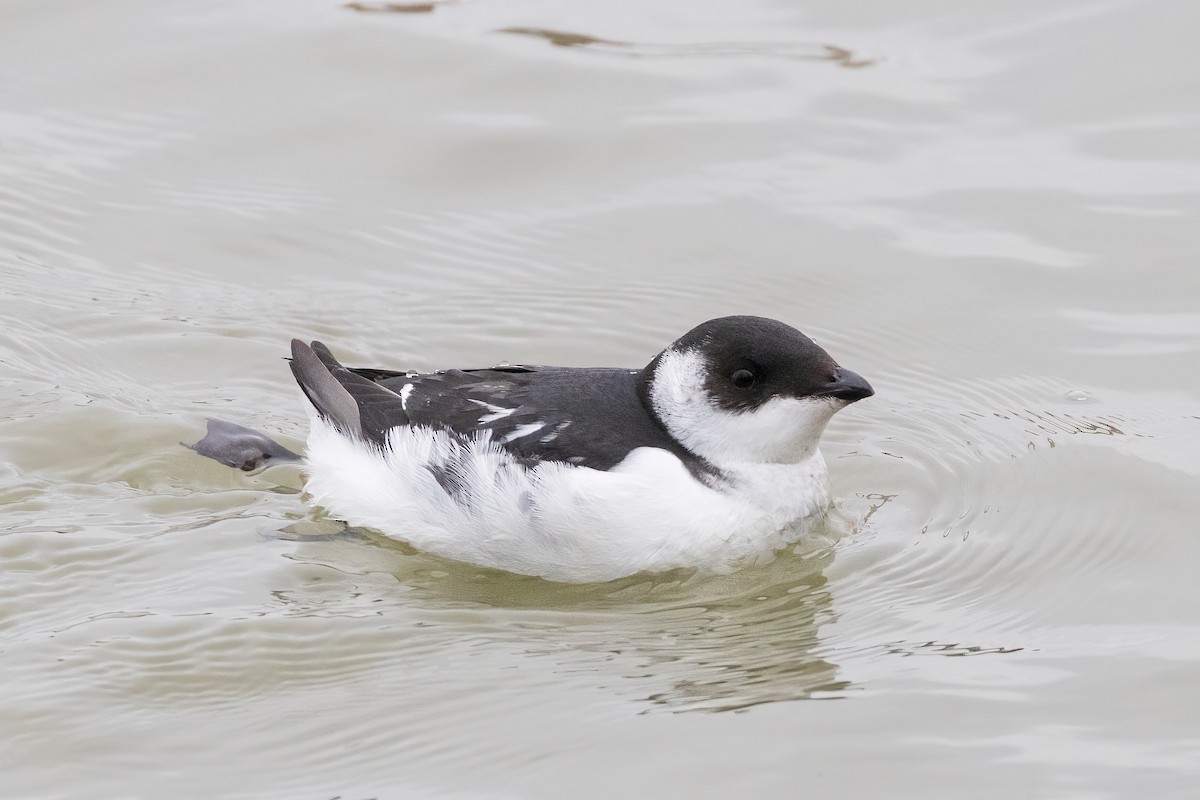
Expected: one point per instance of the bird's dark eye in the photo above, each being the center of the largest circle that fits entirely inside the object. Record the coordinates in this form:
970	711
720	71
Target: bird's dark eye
742	378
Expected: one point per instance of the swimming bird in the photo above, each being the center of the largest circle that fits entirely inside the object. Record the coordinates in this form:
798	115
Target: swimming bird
706	457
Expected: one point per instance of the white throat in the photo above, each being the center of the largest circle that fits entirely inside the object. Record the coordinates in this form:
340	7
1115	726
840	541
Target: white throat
783	430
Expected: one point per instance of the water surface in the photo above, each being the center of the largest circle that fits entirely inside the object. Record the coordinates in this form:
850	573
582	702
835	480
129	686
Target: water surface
988	211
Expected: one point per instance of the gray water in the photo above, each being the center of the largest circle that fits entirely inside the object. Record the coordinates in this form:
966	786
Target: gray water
989	210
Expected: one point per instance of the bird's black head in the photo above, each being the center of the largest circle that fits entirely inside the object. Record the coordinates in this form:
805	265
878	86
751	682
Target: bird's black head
751	360
748	390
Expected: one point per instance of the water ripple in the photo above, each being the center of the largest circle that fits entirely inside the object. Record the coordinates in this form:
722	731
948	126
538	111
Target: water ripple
802	51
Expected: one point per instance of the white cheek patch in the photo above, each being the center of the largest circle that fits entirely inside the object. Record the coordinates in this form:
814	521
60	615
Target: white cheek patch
782	430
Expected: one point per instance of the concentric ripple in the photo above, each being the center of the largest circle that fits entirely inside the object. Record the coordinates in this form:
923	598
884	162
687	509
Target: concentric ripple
988	210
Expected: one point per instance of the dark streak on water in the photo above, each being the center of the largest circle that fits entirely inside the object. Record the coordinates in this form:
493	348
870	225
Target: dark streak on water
996	226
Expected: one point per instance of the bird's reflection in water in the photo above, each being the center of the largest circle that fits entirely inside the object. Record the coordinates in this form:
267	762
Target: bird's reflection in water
677	641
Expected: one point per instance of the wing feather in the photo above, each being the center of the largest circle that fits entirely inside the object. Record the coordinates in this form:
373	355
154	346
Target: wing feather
357	405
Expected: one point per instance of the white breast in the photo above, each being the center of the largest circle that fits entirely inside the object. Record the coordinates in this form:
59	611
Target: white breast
563	522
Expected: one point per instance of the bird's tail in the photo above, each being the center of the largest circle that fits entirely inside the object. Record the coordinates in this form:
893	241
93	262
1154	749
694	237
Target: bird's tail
355	405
